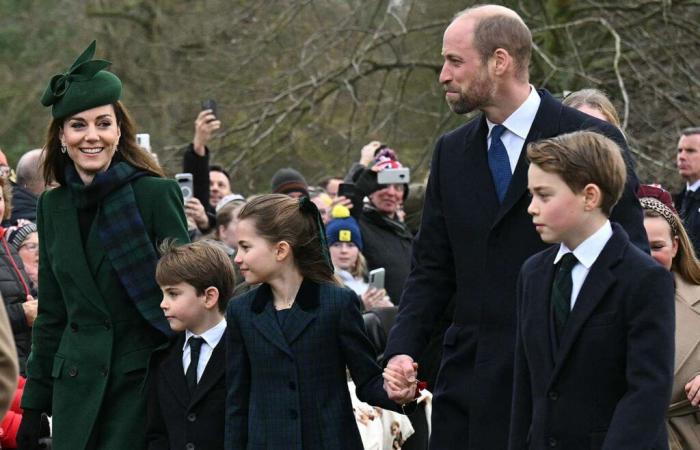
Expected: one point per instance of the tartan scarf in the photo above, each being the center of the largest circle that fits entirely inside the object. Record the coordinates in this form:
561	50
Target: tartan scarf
123	235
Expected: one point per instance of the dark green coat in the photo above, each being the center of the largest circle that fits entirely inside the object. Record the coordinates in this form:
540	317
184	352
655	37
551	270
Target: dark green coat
90	346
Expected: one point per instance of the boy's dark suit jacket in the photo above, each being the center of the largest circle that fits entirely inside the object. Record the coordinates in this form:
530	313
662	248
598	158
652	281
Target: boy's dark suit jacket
607	384
469	251
176	418
287	386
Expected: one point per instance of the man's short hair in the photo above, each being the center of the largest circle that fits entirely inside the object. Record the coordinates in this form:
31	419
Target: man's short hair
219	168
506	31
690	131
581	158
201	264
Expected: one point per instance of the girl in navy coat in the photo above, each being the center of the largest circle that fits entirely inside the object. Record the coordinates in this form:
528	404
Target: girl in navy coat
291	339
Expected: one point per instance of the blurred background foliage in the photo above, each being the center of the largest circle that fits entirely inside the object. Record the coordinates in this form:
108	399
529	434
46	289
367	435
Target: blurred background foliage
307	83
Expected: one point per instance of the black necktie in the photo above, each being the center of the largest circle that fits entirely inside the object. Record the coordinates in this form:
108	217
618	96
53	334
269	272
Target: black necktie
561	291
685	203
195	344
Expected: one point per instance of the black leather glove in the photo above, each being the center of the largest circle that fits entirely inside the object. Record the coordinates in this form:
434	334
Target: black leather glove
30	430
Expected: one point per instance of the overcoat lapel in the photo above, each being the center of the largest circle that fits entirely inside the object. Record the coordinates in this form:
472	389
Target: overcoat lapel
296	322
266	322
545	125
174	373
215	370
94	252
598	281
541	307
480	184
66	218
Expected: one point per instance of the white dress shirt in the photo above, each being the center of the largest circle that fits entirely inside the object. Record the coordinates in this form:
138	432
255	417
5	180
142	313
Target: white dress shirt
586	253
517	126
211	338
692	187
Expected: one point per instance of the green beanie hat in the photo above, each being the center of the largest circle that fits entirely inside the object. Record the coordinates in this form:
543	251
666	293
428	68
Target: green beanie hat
86	85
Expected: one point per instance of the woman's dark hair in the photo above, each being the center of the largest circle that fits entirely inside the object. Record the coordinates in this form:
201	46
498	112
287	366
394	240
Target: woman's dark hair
127	149
278	217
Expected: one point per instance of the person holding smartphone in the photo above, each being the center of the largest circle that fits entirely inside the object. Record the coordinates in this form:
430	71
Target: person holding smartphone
387	240
210	182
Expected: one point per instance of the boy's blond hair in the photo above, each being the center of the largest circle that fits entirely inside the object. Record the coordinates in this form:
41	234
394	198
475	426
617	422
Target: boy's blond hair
581	158
200	264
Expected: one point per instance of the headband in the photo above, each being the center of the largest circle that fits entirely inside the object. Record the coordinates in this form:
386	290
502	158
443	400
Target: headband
664	211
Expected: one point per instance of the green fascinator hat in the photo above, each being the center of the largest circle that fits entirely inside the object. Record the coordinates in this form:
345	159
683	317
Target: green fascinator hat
84	86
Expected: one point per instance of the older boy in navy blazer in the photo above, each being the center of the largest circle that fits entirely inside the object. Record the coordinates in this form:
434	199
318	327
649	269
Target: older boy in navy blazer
187	380
595	315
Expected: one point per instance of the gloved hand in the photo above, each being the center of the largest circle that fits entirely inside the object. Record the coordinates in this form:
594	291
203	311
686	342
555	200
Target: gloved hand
30	430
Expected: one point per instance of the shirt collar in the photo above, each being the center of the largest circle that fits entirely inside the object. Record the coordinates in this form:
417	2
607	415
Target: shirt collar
693	187
212	336
520	121
589	250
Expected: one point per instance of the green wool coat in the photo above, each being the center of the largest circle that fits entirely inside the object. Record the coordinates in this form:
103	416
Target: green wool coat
90	345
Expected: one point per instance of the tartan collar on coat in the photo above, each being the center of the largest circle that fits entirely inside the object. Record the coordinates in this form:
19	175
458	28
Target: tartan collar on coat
307	298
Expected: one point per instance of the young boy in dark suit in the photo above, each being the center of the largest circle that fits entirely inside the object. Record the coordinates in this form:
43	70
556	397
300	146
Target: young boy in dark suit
595	315
187	388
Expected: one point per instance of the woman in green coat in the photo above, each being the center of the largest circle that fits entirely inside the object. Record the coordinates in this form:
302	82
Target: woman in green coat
99	316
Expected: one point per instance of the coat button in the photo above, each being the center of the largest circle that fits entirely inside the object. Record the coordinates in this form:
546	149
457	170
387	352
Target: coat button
293	414
73	371
74	327
552	442
292	386
189	446
107	324
192	417
553	395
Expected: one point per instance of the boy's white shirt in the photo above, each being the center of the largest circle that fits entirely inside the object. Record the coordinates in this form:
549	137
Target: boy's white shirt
211	338
586	253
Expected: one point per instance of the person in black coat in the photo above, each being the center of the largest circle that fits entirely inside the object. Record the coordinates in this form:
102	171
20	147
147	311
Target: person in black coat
688	200
187	383
472	242
594	349
29	185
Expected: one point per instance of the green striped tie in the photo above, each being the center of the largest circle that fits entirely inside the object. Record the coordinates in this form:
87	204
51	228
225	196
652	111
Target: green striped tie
561	291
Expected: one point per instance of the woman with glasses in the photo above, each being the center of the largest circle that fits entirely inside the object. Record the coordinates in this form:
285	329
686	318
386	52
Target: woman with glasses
16	287
25	240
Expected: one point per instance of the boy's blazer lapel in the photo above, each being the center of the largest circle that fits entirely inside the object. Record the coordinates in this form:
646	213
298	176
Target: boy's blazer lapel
541	309
71	252
598	281
174	373
215	370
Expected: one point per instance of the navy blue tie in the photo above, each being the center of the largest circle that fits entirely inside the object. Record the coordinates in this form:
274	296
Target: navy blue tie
499	162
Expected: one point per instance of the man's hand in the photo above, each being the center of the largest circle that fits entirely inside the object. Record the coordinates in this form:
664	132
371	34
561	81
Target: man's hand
204	126
195	211
31	308
367	152
376	298
692	390
400	379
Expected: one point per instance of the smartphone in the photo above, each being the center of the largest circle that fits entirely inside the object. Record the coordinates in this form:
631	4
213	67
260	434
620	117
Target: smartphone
394	176
185	182
346	190
210	104
376	278
143	140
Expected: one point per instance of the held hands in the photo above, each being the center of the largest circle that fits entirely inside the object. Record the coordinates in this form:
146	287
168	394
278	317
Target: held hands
400	379
204	126
30	430
692	390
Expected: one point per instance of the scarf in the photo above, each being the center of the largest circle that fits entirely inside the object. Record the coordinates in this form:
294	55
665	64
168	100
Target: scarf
123	235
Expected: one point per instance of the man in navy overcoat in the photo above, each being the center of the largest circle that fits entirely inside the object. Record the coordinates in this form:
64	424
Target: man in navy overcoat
472	243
